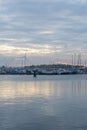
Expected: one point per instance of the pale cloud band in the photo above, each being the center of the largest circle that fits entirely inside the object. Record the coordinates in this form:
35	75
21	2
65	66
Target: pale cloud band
43	28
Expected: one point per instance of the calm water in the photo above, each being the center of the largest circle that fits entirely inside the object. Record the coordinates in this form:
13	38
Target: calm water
43	103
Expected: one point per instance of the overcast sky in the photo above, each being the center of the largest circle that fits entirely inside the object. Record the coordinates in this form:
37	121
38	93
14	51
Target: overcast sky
47	31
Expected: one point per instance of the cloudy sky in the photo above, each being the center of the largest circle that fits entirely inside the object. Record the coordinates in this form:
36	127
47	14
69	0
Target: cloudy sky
46	31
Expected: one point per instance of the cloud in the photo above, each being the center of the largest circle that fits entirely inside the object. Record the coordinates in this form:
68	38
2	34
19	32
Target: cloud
30	50
43	28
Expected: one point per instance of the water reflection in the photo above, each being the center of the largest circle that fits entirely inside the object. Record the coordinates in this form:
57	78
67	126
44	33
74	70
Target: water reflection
43	104
25	89
46	89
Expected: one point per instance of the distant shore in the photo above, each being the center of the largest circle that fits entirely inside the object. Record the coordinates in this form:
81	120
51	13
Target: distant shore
51	69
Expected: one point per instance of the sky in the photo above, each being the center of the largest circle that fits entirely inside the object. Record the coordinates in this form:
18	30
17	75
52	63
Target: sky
43	31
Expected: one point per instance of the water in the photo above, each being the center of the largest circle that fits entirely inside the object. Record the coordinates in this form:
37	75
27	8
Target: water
43	103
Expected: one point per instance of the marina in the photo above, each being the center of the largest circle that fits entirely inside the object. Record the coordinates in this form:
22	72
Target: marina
43	64
51	69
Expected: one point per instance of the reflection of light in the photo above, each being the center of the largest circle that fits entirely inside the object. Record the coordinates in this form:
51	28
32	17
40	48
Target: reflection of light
7	93
30	89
